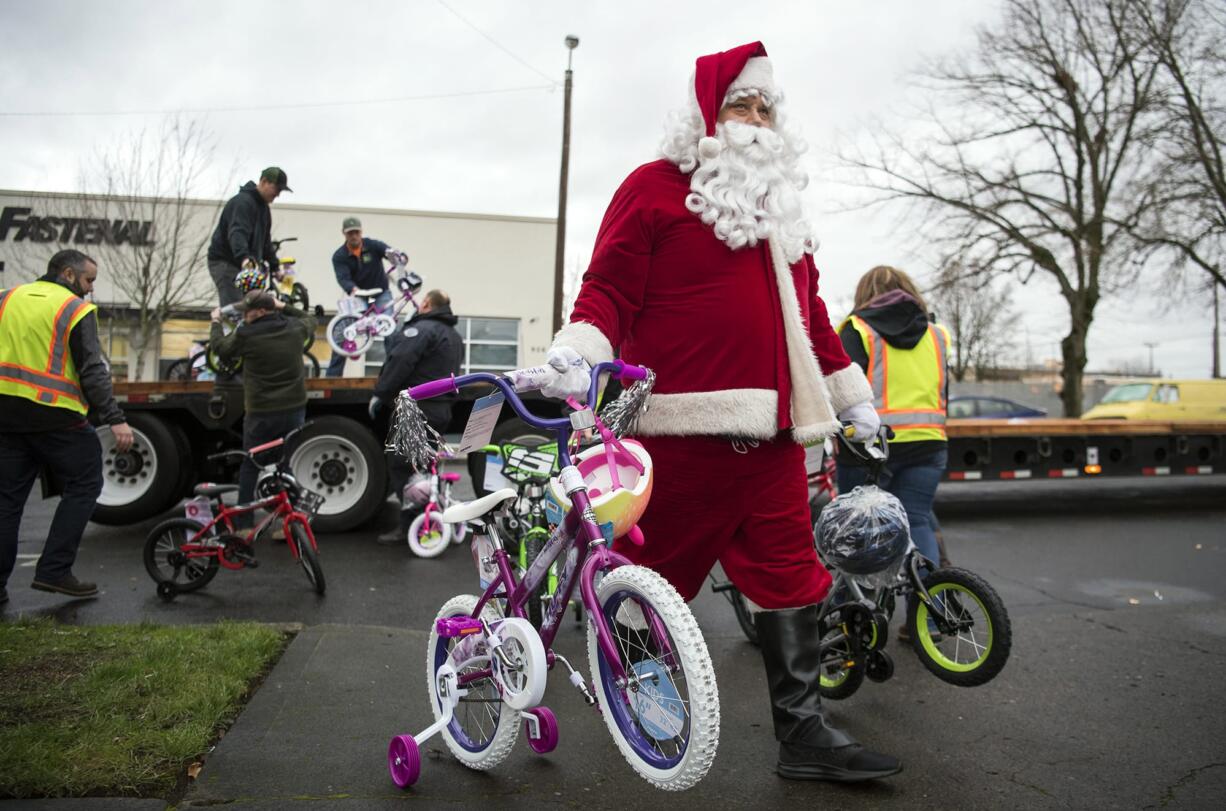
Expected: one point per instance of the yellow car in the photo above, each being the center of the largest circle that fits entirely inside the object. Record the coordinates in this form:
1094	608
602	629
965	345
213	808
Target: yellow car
1169	400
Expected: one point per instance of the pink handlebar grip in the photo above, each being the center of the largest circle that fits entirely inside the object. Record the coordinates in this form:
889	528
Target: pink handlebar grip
631	372
434	388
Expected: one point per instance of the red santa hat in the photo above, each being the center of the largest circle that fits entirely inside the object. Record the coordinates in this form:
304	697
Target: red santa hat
745	67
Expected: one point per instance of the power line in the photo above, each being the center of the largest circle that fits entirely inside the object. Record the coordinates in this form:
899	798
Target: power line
498	44
256	108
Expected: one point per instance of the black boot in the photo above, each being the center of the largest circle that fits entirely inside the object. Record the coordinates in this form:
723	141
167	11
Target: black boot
809	747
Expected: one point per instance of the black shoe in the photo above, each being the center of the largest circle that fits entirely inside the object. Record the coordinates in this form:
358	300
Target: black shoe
67	585
394	537
845	764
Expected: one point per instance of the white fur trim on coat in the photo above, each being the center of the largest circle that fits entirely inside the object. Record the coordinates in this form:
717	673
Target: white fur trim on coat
587	340
813	418
747	413
848	387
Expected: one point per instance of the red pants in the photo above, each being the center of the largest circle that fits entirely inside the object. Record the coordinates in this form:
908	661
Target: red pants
748	510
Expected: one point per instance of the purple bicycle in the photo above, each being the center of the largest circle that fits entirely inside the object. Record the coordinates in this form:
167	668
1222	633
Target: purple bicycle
651	674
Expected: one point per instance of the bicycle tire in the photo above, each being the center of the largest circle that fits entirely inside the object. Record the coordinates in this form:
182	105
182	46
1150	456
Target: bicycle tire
300	297
311	366
432	541
307	556
688	681
744	617
181	369
950	588
159	545
219	367
837	679
483	730
336	336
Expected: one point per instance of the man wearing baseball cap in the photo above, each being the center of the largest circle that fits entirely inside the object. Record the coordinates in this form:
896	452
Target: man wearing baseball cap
358	265
269	342
243	237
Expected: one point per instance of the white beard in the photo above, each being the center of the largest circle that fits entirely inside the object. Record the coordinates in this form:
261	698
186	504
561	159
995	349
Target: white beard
750	191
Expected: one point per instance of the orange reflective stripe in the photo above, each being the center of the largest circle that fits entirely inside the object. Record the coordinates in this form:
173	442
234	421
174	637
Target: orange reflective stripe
47	386
62	328
4	299
938	345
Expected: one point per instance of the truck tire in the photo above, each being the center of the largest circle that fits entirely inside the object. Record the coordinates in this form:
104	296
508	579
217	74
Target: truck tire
340	459
141	483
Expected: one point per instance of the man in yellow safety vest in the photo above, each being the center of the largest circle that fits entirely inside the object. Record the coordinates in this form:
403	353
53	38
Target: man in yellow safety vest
51	376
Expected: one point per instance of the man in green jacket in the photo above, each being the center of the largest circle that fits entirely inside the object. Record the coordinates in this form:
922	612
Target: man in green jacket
269	342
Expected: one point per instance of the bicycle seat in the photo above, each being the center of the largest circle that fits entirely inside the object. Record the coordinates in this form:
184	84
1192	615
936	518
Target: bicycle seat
209	489
450	477
475	509
371	293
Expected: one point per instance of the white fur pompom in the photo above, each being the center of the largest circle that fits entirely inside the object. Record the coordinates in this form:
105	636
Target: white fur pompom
708	147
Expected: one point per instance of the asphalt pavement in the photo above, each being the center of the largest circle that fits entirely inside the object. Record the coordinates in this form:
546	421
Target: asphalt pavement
1111	698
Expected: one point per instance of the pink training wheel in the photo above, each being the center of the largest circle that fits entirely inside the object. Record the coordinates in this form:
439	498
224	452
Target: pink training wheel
404	760
548	723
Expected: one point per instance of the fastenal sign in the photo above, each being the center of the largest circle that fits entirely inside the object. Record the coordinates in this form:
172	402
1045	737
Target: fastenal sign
23	224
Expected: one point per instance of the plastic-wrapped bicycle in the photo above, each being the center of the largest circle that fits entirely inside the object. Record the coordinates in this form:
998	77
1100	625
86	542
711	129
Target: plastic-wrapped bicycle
958	624
486	665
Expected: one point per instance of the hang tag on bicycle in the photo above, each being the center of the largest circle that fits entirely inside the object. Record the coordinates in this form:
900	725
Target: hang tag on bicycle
483	557
481	423
199	509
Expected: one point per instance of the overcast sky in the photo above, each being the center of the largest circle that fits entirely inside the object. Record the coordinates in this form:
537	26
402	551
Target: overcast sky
489	139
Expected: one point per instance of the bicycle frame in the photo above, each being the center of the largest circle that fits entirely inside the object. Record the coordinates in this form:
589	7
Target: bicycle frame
587	550
279	506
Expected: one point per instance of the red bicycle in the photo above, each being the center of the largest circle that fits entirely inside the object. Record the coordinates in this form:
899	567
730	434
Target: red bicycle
184	554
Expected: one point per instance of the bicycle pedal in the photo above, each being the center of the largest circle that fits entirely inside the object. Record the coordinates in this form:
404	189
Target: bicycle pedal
450	627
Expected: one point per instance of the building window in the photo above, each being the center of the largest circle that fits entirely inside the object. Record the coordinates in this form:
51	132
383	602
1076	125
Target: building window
490	345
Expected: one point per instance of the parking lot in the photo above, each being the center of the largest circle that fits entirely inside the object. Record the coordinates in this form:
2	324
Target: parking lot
1116	591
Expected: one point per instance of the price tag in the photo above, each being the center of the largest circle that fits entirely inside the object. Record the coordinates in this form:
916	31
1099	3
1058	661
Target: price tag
481	423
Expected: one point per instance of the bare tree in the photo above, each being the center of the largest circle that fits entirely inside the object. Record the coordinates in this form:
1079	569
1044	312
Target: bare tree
141	194
1037	144
1189	183
978	315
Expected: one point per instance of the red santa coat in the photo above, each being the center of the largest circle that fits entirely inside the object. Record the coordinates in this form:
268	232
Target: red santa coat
740	341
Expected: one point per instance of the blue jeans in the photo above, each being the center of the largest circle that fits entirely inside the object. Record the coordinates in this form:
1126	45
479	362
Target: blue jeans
75	457
258	429
336	366
915	484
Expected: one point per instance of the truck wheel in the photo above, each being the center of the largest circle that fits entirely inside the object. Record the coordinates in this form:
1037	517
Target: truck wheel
140	483
341	460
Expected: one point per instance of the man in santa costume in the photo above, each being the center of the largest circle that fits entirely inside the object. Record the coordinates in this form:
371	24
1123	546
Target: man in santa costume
703	271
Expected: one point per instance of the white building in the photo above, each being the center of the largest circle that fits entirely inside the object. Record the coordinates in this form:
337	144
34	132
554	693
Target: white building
498	270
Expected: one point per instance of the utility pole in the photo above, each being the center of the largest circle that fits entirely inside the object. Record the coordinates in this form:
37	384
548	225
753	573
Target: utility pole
1217	336
1151	345
572	42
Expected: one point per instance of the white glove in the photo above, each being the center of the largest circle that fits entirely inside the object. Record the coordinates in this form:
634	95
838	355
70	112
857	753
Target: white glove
573	374
864	421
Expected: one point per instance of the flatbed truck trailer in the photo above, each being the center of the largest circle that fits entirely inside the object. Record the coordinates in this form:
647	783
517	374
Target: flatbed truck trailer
179	424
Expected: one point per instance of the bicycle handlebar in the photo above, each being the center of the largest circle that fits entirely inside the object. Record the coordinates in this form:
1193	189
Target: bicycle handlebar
448	385
267	446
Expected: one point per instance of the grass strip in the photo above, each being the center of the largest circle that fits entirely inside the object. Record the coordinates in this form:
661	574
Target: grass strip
120	710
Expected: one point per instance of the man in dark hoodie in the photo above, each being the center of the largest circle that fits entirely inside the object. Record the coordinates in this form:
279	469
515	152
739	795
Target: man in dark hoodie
429	349
243	238
269	342
904	355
